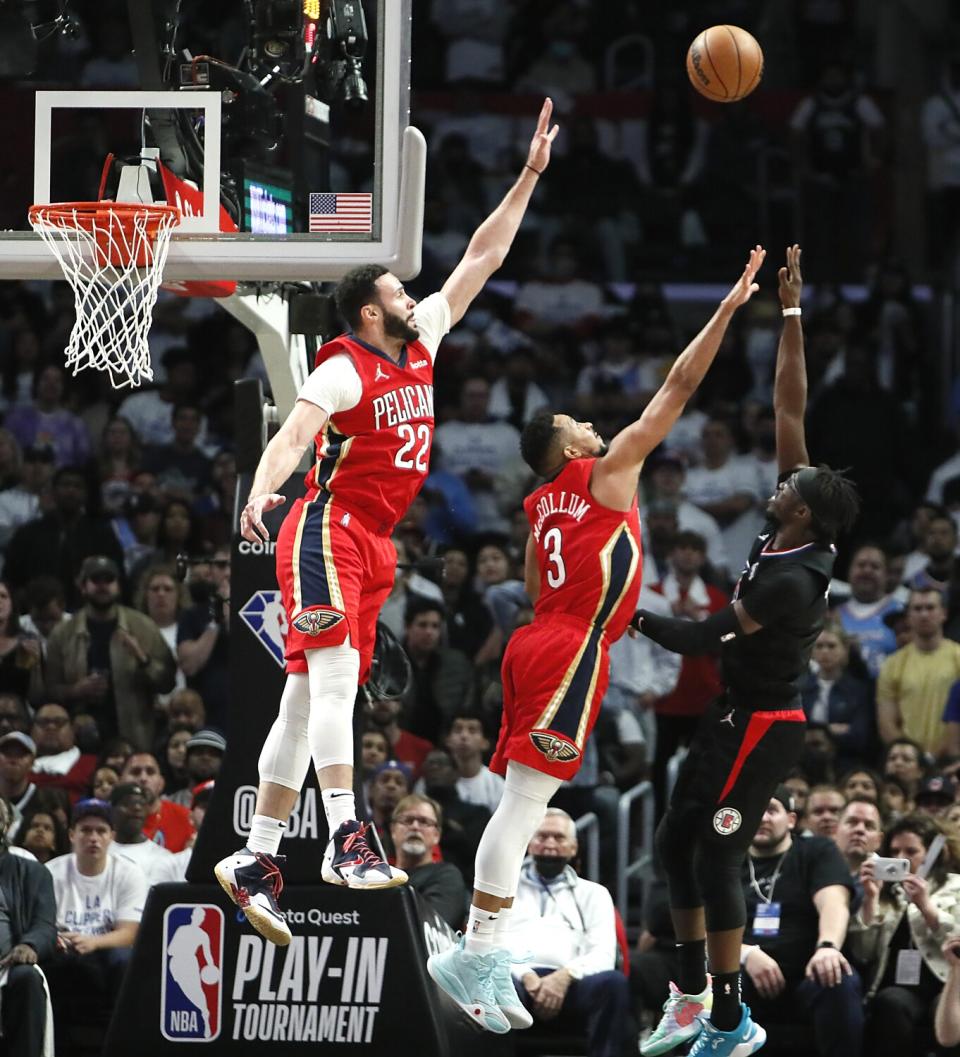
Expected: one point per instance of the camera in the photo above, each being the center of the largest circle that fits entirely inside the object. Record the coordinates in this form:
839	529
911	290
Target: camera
889	870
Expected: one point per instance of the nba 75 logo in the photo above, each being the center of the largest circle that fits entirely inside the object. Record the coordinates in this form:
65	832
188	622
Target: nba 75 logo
190	989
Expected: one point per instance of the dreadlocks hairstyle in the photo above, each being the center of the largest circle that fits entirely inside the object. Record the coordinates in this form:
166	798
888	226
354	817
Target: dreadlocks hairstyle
356	289
836	504
536	441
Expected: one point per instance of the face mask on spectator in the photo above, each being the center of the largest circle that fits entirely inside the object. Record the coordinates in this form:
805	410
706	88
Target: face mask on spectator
550	866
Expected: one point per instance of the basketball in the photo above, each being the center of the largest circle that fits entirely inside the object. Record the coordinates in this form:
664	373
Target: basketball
209	974
724	63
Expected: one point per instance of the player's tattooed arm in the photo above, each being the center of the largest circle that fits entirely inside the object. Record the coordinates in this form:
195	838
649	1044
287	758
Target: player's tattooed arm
790	381
491	241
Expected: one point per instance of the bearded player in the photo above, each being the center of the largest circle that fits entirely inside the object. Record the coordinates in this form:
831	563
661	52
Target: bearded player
583	571
368	406
753	733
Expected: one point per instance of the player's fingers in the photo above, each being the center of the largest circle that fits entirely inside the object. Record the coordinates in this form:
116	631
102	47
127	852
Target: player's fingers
553	133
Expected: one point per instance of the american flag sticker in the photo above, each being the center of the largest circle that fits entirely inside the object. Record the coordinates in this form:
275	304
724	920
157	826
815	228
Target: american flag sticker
333	211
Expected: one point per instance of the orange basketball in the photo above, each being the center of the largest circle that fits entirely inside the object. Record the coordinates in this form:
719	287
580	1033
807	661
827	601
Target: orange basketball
724	63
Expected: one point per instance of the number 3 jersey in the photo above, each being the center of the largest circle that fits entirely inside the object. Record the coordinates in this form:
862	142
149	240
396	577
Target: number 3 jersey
373	454
589	556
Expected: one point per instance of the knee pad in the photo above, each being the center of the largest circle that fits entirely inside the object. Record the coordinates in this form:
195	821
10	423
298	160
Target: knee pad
717	872
333	672
285	757
504	842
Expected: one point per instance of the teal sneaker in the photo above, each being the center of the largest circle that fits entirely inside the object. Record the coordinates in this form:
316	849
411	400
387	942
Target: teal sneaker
506	994
680	1021
746	1038
469	979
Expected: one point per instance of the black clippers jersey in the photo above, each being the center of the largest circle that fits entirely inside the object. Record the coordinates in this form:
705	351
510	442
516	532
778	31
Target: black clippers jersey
785	592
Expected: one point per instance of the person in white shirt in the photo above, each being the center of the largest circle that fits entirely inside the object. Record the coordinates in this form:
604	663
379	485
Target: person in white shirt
567	925
100	901
129	803
467	743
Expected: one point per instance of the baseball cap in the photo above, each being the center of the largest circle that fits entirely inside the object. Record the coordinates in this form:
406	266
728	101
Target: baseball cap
395	765
22	739
785	796
937	787
92	808
120	792
209	738
201	793
98	565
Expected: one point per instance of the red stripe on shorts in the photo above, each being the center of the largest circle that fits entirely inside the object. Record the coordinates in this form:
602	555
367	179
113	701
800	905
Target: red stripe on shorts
760	723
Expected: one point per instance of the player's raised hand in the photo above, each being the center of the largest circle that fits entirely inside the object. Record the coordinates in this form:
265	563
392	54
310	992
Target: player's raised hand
745	287
252	527
791	281
538	157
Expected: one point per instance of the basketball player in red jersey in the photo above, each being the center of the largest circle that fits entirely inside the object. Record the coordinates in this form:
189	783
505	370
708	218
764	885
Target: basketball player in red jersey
368	407
583	571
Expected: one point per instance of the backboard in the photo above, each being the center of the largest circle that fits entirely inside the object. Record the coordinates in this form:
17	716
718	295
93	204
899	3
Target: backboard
280	127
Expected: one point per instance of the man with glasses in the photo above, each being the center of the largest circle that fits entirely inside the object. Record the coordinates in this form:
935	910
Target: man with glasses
110	660
59	762
415	830
753	733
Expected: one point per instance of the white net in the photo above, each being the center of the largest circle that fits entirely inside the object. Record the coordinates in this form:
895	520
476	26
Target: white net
112	254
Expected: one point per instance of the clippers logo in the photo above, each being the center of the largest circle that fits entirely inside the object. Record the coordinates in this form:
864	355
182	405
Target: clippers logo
726	821
190	989
555	749
264	615
316	621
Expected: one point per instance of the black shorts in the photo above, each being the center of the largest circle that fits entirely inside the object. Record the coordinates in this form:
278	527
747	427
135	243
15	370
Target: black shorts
736	760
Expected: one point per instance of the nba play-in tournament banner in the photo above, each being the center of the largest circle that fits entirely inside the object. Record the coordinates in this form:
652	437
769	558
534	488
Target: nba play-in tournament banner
352	980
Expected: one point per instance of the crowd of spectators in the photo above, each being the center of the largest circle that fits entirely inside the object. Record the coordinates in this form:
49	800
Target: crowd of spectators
114	697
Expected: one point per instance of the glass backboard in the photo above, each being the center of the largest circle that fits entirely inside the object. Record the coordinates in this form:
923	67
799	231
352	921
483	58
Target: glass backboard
281	128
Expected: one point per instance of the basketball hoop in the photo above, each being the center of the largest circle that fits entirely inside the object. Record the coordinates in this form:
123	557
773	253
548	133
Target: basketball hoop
112	255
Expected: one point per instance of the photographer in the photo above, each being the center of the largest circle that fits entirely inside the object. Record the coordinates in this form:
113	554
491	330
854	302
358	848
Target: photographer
899	933
203	648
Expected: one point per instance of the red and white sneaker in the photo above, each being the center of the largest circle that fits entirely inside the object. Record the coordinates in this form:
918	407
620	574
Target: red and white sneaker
254	882
349	860
682	1020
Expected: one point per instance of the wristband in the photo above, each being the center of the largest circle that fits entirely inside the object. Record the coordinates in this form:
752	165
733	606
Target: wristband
829	944
793	311
539	172
746	954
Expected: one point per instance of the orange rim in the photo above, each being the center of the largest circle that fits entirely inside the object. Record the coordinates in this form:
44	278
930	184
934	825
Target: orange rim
85	215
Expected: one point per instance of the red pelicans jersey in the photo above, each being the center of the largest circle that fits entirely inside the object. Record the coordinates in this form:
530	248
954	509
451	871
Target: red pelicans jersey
589	556
373	456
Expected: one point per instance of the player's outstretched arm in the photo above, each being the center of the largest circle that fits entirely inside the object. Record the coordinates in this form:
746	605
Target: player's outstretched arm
492	240
280	458
614	479
790	382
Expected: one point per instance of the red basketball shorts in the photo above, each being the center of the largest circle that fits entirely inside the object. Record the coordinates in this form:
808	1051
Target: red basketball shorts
334	576
555	674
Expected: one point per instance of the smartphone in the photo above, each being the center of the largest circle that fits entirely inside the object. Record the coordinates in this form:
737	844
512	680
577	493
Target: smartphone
888	870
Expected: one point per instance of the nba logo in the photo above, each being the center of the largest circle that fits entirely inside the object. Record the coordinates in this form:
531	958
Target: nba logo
190	996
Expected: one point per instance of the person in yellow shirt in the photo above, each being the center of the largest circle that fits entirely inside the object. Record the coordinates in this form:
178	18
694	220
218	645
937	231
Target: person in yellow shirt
914	681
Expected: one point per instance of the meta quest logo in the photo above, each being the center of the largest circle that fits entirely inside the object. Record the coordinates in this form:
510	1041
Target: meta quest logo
190	995
264	615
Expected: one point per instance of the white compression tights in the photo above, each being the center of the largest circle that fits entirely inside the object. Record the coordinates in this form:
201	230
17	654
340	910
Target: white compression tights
316	718
504	842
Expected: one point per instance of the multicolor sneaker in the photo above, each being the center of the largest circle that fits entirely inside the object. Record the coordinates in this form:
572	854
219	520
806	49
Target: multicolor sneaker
254	882
680	1021
505	993
746	1038
349	860
470	980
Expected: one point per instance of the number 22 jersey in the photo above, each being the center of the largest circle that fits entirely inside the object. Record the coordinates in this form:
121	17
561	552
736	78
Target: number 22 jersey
373	453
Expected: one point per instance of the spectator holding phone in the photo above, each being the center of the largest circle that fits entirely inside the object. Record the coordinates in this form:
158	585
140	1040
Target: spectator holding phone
899	932
946	1023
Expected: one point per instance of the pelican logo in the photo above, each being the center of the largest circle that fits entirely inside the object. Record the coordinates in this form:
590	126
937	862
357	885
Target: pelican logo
555	749
381	375
316	621
726	821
